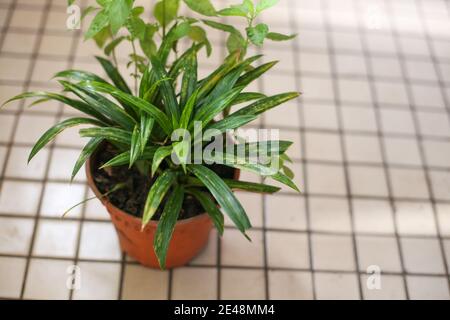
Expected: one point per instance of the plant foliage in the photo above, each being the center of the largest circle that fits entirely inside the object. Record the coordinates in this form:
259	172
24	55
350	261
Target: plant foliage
168	97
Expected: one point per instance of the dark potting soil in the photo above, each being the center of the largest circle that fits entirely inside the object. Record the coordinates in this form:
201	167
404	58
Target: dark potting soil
131	199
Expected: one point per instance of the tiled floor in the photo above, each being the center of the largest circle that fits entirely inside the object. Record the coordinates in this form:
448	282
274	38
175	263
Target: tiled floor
372	155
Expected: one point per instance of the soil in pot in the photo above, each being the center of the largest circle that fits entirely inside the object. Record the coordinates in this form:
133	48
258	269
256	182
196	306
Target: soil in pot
132	198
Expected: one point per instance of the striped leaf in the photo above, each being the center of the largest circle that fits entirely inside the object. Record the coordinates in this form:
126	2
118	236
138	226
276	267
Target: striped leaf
114	75
111	134
160	154
210	207
168	93
242	163
139	103
78	75
135	146
156	194
239	185
254	74
76	104
189	82
223	195
123	158
88	149
166	224
265	104
187	111
51	133
247	96
100	103
208	111
210	82
229	123
147	124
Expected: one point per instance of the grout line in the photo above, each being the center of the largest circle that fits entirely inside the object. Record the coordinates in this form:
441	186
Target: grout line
30	71
301	115
348	188
282	230
234	267
71	60
423	159
383	149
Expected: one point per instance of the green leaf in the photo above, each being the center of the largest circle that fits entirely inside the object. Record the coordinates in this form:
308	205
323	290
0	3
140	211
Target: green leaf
76	104
211	81
160	154
223	195
179	64
147	124
111	134
114	75
208	111
198	34
221	26
265	4
119	10
254	74
274	36
189	82
251	186
135	146
229	123
187	111
236	42
113	44
258	33
234	11
166	11
166	224
124	158
229	80
203	7
101	104
241	163
248	96
78	75
88	149
177	32
100	21
171	104
87	11
102	36
181	150
136	27
245	9
265	104
156	194
288	172
239	185
139	103
51	133
210	207
147	43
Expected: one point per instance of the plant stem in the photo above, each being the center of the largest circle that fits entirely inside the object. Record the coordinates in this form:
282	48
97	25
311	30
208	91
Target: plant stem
164	18
135	69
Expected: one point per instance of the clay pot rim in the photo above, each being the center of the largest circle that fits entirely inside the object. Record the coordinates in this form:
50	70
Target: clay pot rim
106	203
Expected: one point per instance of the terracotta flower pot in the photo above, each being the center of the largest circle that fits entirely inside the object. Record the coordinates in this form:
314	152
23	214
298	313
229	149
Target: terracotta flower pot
189	237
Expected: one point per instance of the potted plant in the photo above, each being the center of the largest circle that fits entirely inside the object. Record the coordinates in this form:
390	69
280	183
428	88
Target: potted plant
161	157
